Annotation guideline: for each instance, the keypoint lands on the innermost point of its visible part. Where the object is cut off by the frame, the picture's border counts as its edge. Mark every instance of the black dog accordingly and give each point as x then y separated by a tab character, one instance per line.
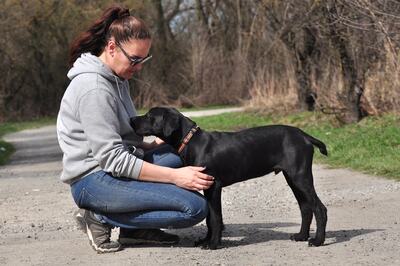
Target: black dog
237	156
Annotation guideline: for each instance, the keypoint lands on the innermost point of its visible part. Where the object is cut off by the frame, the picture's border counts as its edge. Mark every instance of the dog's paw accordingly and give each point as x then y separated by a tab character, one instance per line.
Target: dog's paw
201	242
206	244
299	237
313	242
212	246
209	245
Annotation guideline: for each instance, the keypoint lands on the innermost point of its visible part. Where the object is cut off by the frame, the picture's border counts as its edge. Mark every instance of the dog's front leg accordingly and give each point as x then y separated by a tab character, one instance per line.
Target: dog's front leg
203	242
214	218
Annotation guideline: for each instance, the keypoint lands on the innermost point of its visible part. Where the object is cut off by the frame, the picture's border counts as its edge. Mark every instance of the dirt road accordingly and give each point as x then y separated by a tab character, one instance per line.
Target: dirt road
36	225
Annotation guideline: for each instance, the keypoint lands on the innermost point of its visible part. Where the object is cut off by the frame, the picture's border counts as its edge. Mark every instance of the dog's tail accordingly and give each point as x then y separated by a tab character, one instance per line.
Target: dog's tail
321	146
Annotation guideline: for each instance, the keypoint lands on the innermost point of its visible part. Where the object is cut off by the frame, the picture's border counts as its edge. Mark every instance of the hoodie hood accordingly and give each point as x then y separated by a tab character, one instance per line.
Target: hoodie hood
88	63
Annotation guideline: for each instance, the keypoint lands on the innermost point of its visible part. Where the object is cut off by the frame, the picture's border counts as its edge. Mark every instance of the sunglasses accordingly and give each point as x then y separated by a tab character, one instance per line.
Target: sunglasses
134	59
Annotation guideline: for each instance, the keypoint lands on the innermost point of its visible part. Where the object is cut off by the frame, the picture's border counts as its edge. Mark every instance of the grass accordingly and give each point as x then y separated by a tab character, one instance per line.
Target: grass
371	146
6	149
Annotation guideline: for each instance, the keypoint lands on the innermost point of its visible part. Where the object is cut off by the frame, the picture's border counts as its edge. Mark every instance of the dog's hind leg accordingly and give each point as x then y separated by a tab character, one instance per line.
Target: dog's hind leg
321	217
305	209
303	188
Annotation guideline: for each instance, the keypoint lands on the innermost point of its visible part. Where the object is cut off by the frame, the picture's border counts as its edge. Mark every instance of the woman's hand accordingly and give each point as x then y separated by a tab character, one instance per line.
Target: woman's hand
154	144
157	142
192	178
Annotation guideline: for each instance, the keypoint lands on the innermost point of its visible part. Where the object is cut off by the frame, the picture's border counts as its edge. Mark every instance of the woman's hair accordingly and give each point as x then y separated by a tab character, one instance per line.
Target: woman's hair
116	22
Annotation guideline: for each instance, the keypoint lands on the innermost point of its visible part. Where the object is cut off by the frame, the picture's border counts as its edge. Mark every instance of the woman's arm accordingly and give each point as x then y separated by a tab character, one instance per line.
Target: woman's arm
190	177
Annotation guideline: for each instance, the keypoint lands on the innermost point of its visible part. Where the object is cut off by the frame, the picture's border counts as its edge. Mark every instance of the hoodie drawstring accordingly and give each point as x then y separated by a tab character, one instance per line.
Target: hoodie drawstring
119	90
120	96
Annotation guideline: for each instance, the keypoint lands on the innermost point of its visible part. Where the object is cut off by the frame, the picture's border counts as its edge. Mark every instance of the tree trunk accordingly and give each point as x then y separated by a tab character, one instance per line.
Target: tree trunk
202	18
353	86
162	42
303	70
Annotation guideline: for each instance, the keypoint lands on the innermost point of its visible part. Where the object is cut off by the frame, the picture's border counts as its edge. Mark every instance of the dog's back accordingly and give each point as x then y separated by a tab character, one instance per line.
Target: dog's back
250	153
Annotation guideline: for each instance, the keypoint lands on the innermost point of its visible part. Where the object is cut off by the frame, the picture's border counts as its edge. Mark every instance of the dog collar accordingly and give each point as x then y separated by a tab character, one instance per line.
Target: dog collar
187	138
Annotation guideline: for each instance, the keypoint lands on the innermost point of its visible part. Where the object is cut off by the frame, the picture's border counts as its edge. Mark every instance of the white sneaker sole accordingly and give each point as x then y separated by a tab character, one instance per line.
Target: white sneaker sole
96	247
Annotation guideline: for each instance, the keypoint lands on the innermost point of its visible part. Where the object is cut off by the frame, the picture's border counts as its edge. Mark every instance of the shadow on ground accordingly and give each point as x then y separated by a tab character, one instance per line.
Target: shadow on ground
236	235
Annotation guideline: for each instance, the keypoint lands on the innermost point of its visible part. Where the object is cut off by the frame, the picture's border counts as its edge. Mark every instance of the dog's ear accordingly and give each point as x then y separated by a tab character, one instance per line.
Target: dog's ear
171	123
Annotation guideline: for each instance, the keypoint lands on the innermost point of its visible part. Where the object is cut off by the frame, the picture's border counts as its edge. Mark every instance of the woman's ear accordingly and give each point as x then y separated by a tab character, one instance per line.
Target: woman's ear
111	47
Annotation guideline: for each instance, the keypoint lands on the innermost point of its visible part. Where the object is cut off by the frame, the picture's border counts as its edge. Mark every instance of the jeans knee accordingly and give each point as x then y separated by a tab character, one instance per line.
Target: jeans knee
198	211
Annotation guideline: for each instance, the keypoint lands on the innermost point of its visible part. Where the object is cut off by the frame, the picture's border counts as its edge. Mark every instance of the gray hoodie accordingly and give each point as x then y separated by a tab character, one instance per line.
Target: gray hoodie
93	123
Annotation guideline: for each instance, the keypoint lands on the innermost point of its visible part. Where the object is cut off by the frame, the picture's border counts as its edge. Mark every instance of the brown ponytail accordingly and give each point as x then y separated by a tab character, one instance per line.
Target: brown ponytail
116	22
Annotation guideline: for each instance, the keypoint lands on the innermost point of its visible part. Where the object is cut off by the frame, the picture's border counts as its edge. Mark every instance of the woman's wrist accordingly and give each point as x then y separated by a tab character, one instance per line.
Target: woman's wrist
172	174
154	173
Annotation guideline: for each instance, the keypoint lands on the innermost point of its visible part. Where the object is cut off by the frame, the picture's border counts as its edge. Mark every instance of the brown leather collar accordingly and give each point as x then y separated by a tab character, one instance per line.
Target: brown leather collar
187	138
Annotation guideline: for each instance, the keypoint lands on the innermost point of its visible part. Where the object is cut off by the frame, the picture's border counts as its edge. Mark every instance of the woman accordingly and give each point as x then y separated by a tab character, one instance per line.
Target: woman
109	178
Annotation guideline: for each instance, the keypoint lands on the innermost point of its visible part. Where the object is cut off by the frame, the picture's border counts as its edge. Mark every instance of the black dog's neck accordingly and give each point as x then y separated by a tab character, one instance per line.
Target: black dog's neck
179	138
176	137
187	138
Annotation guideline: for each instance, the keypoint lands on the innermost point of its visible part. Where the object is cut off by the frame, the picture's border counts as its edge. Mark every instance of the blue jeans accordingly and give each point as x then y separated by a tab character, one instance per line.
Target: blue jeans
129	203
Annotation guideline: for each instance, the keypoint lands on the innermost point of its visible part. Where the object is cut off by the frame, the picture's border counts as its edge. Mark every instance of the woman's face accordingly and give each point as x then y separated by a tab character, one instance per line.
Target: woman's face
123	53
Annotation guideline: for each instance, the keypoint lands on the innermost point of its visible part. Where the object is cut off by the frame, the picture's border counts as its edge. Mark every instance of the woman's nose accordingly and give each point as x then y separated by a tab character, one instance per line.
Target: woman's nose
138	67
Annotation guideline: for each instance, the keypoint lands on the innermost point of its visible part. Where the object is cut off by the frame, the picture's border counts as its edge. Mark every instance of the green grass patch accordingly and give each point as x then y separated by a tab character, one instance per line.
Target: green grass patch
6	149
371	146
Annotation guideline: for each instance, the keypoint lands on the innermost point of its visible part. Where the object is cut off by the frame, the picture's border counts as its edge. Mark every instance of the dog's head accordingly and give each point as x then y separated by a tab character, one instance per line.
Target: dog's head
165	123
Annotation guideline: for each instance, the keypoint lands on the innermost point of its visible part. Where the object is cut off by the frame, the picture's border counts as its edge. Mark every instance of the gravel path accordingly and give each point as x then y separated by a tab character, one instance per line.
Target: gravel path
36	226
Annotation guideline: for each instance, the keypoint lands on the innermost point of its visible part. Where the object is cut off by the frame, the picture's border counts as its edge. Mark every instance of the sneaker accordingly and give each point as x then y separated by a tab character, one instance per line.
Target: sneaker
98	233
80	222
129	237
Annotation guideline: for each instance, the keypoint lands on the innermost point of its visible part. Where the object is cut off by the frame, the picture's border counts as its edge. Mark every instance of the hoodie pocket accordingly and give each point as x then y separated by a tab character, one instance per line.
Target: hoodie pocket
88	201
